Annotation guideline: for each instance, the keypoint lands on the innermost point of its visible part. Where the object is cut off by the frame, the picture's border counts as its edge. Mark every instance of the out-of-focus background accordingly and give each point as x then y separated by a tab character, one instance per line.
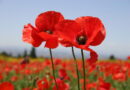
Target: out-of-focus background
115	14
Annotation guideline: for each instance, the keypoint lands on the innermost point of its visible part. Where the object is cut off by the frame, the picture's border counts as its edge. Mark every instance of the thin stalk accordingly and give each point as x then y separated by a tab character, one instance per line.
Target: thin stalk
83	69
53	69
76	65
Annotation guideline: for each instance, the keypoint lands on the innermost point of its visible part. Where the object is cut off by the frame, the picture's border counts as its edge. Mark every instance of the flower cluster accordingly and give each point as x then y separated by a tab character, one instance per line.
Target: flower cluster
52	28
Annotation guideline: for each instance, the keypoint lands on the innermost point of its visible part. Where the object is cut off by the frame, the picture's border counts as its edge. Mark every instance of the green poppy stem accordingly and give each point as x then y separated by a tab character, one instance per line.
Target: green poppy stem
83	69
53	69
76	65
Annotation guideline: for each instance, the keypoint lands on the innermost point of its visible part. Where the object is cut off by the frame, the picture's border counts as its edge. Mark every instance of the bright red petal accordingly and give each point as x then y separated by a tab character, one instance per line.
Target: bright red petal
52	43
93	56
26	36
48	20
65	43
37	40
30	35
67	32
99	37
51	40
45	35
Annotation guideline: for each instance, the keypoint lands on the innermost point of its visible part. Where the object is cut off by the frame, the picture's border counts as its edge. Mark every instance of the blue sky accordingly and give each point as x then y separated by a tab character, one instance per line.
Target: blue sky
115	14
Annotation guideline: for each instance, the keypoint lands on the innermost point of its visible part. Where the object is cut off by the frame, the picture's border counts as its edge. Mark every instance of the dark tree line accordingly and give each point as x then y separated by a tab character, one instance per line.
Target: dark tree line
31	54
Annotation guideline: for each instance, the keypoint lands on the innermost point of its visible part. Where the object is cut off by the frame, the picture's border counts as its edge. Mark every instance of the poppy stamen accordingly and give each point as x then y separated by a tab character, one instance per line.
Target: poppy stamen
49	31
82	40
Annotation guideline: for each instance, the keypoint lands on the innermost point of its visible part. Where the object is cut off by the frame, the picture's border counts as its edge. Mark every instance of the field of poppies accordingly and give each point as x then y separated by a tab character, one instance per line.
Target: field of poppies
37	75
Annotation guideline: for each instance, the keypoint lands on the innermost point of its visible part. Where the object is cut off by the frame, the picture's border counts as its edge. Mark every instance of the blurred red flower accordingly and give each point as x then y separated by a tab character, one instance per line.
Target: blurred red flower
57	62
43	84
119	76
61	85
14	78
91	86
6	86
102	85
128	57
63	74
44	30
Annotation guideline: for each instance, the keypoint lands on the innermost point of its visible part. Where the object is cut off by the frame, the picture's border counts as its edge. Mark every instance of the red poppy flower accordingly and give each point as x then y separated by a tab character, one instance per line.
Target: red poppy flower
90	86
82	33
14	78
43	84
63	74
57	62
128	57
6	86
61	85
44	31
119	76
103	85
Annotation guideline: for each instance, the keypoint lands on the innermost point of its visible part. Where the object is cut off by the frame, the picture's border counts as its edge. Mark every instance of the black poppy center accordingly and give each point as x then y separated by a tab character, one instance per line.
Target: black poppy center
82	40
49	31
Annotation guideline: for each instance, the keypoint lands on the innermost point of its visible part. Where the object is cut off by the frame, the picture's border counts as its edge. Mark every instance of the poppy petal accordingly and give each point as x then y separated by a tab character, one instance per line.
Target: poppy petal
67	31
30	36
52	43
37	40
99	37
65	43
48	20
93	56
51	40
45	35
26	36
